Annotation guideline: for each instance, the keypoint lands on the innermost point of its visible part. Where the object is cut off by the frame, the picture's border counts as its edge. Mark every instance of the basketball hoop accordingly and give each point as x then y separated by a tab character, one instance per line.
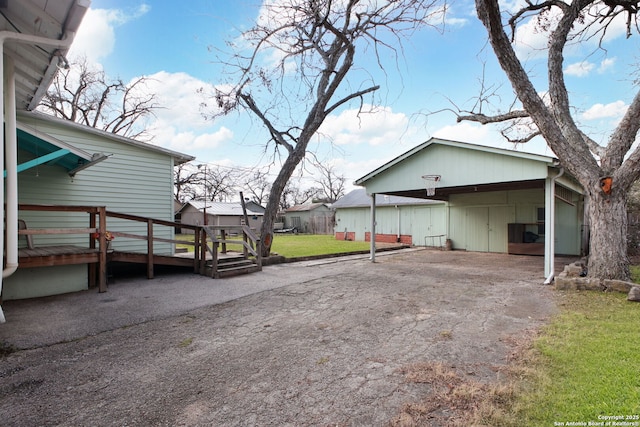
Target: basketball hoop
430	182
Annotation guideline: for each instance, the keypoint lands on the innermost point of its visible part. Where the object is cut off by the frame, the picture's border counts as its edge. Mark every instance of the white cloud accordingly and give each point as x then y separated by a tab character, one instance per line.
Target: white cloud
178	123
467	132
208	140
381	126
606	65
96	36
177	94
490	136
531	40
600	111
186	141
579	69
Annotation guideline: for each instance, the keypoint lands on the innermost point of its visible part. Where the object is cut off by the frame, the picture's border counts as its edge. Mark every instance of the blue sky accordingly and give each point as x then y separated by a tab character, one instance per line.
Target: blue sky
170	43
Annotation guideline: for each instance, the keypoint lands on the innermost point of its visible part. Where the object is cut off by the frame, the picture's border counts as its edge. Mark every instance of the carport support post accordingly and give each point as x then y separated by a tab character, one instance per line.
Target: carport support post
372	235
550	225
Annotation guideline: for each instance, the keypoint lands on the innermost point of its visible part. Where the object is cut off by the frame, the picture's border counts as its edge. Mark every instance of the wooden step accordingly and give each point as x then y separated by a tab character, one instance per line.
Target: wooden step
233	267
238	270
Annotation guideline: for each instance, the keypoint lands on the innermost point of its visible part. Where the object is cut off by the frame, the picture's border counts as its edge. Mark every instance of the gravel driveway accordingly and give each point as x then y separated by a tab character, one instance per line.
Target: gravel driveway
310	344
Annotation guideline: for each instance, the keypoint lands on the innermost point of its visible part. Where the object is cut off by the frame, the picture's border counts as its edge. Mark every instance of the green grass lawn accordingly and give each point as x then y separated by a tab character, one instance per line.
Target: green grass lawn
300	245
587	364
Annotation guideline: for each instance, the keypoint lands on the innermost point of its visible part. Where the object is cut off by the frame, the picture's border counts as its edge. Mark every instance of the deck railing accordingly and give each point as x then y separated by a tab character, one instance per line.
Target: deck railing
223	235
151	238
97	221
219	236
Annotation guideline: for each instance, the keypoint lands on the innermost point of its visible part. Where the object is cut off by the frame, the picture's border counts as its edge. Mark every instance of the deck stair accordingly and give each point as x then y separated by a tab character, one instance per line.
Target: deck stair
219	262
233	266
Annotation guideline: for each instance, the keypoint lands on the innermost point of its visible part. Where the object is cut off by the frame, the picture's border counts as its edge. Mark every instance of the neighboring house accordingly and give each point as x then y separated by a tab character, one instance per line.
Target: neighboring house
314	218
497	200
126	176
220	214
412	221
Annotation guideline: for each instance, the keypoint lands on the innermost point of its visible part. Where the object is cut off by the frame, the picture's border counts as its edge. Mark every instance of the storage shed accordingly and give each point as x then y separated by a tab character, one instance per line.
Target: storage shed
194	212
314	218
497	200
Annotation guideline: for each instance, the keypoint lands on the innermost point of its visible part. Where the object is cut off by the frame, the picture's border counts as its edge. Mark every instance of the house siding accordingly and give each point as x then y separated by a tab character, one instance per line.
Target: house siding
437	160
133	180
189	214
414	224
479	222
473	222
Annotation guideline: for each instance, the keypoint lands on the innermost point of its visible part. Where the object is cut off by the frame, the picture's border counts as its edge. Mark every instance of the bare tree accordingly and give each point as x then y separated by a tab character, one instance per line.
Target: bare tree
257	186
84	95
293	195
331	185
213	183
217	183
606	172
186	181
297	70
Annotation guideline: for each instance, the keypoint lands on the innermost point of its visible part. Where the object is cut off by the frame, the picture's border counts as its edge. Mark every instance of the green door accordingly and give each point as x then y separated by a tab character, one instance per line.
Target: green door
486	228
498	228
477	229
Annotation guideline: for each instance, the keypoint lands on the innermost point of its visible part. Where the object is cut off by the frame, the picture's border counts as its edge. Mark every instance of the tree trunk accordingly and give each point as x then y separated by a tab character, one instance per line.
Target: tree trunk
607	216
271	210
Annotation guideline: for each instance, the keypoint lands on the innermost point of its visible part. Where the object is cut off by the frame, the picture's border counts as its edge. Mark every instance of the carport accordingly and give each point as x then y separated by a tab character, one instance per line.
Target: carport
496	198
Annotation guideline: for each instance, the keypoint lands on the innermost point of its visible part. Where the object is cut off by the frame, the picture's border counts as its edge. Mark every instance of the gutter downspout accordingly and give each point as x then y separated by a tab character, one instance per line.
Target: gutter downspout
551	223
11	164
10	146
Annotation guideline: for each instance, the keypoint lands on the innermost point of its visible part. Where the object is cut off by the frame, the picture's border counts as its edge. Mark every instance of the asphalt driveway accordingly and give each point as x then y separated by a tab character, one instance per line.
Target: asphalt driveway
305	344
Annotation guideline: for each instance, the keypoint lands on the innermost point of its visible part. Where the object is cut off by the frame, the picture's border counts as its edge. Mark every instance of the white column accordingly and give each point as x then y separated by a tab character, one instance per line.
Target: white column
372	257
549	226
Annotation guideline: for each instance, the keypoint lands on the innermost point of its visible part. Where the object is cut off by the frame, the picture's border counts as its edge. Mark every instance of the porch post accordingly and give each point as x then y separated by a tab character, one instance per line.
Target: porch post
102	257
550	226
372	236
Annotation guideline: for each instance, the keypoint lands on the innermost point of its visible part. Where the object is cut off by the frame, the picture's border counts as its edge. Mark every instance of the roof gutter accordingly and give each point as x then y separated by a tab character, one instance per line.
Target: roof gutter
9	140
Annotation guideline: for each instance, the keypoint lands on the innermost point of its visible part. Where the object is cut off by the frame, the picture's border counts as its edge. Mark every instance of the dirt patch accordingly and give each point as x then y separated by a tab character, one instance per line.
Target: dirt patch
343	346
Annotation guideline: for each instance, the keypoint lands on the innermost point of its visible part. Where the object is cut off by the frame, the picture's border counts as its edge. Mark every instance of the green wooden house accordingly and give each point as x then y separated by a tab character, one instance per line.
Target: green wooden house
98	169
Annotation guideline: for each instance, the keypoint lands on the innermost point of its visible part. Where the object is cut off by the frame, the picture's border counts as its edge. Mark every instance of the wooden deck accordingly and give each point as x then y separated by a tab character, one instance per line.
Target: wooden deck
205	259
48	256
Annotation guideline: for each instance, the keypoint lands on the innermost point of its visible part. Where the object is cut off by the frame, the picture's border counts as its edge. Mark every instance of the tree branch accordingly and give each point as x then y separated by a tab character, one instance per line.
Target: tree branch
499	118
275	134
350	97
